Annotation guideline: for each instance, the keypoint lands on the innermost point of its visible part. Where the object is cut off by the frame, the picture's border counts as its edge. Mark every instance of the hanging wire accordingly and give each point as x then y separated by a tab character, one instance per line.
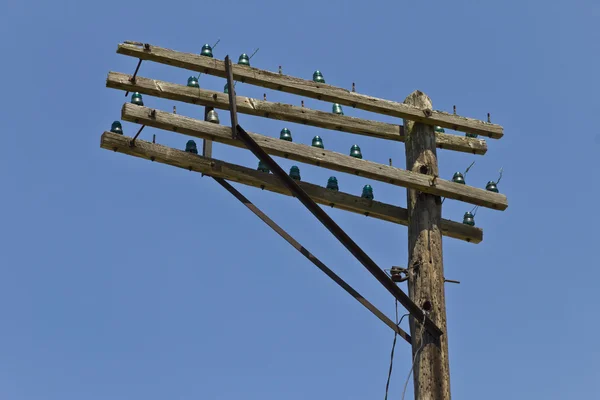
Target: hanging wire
416	354
467	170
387	385
255	51
500	177
474	210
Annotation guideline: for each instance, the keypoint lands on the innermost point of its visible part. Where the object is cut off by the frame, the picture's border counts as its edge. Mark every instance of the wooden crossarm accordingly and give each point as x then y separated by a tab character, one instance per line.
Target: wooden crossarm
325	92
251	177
285	112
313	155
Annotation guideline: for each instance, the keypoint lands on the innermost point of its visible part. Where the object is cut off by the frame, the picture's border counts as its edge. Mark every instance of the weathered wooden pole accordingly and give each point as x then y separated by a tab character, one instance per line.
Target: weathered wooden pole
426	268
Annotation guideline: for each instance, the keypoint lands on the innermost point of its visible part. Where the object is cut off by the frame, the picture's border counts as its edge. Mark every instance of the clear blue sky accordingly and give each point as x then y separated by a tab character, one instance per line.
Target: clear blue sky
124	279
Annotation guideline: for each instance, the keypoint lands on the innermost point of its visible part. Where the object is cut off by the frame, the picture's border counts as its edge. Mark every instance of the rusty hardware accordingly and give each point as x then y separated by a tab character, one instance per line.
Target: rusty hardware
399	274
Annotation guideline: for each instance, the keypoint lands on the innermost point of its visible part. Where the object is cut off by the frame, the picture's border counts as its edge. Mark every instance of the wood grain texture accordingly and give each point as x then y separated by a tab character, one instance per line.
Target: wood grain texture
308	88
285	112
312	155
247	176
425	263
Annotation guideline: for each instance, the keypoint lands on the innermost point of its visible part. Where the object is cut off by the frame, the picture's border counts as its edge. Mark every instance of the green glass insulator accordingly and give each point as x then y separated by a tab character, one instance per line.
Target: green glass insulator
337	109
318	77
469	219
191	147
332	184
193	82
295	173
136	99
263	167
492	187
355	151
285	134
458	178
318	142
116	127
206	51
367	192
244	60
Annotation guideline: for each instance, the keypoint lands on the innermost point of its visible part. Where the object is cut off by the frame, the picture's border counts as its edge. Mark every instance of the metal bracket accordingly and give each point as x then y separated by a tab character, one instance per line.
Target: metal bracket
399	274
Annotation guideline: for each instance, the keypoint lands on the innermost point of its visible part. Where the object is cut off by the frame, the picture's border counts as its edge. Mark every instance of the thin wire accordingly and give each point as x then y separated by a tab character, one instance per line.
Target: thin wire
415	357
255	51
467	170
387	385
474	210
500	177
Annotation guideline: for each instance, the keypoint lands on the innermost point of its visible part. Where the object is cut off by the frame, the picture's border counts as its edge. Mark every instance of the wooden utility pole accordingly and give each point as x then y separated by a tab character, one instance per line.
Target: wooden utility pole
425	301
426	268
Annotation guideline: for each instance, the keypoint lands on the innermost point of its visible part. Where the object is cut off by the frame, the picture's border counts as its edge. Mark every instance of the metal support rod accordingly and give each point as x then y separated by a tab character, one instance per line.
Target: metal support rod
132	79
132	143
338	232
232	103
451	281
301	249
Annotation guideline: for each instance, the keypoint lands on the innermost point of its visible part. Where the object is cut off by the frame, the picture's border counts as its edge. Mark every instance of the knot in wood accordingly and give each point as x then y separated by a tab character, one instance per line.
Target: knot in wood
427	112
